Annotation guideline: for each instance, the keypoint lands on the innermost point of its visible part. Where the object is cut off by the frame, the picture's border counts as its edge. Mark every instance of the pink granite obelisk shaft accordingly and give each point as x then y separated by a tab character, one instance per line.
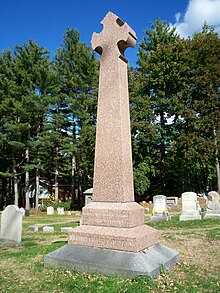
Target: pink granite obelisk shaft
113	220
113	176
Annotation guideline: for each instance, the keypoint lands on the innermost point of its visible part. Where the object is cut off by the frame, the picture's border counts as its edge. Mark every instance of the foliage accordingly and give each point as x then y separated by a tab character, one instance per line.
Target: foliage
48	114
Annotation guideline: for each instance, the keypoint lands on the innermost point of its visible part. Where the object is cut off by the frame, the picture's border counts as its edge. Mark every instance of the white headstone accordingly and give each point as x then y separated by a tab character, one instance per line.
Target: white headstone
189	207
11	224
50	210
23	211
160	212
60	211
48	229
212	205
66	229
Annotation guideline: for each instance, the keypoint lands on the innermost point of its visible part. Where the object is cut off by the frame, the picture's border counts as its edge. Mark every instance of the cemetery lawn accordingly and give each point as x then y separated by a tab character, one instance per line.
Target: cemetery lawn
198	241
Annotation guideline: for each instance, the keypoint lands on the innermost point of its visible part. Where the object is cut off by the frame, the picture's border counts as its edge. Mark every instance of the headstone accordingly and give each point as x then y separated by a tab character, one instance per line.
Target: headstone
88	195
11	224
33	228
60	211
113	235
23	211
172	202
189	207
212	205
66	229
160	212
50	210
48	229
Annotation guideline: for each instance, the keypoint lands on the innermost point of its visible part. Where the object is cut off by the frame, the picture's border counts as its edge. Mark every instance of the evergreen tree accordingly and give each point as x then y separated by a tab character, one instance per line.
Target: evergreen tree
77	76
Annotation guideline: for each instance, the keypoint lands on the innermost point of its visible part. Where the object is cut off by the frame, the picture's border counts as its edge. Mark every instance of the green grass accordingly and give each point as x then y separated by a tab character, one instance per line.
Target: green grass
22	267
175	224
214	234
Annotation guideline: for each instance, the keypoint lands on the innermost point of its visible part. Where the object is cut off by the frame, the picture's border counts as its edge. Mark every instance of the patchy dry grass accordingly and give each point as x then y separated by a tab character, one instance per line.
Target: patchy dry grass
22	268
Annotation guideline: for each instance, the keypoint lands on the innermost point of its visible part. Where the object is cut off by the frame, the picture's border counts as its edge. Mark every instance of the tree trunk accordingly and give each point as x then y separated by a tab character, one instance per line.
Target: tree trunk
37	188
162	152
27	200
15	179
217	162
56	179
73	202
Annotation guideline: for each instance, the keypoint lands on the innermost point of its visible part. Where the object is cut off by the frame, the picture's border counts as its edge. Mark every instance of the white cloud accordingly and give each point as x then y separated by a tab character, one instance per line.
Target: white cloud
197	12
177	16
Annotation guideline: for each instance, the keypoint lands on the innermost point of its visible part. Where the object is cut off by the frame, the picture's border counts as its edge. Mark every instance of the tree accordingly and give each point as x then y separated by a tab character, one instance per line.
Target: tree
77	76
24	108
156	61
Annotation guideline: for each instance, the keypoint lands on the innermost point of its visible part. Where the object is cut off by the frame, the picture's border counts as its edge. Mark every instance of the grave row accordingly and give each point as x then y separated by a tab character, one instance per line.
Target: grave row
190	207
48	229
11	220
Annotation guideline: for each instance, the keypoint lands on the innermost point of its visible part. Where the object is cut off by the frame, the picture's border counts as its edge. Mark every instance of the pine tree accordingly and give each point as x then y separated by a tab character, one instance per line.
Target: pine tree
77	74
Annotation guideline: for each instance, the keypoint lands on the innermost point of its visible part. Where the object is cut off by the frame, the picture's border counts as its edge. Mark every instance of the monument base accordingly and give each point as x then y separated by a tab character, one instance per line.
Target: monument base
212	215
127	239
190	217
113	262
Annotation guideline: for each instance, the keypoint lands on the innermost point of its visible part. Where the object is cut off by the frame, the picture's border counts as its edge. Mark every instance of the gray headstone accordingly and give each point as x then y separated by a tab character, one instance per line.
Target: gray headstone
172	202
11	224
50	210
88	195
212	205
33	228
189	207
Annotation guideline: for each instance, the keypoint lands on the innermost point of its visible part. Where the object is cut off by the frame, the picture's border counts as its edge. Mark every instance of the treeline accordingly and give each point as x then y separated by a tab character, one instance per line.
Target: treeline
48	115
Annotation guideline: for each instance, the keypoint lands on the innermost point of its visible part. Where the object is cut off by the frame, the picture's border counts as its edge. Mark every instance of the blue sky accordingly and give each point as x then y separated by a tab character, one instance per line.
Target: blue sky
45	21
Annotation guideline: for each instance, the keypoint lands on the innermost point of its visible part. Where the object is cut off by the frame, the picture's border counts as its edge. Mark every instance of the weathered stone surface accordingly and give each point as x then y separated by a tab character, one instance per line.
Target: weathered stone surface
113	262
11	224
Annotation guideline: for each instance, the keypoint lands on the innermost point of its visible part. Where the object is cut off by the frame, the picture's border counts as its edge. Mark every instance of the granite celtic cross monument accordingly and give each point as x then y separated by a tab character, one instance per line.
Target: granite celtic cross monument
113	238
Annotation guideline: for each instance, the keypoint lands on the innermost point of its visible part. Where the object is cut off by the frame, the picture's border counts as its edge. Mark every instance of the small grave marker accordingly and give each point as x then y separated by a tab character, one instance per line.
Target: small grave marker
60	211
33	228
48	229
50	210
172	202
